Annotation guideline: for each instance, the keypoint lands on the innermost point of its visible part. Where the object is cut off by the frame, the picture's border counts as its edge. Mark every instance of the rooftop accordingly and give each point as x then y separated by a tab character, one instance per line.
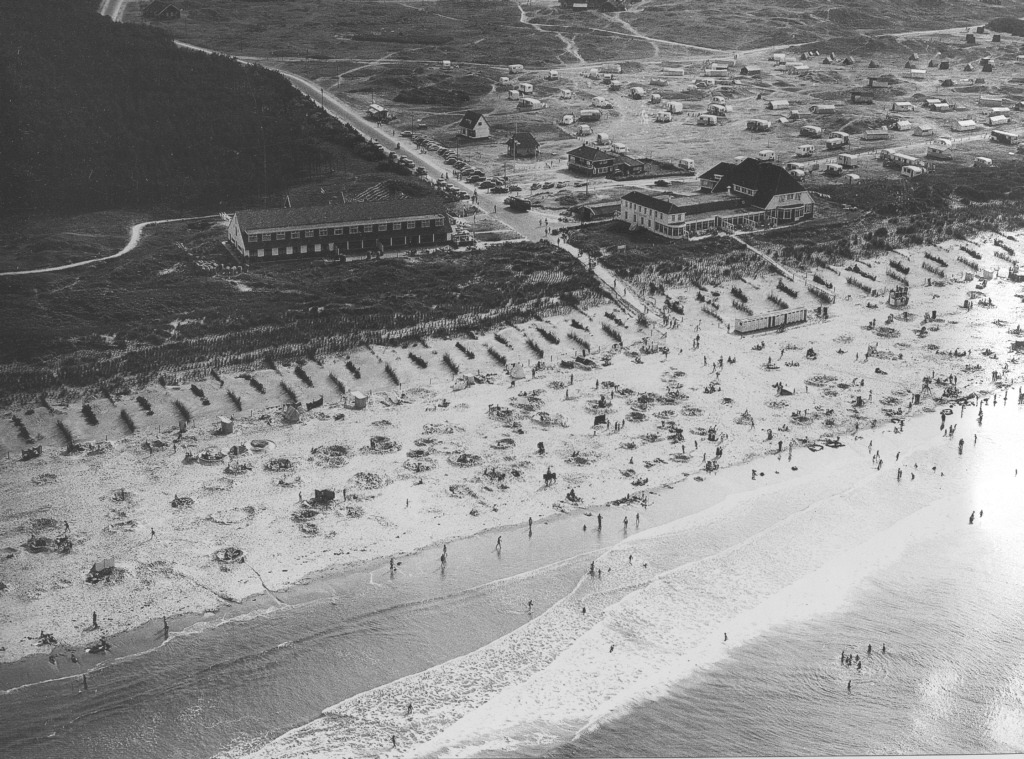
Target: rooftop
274	218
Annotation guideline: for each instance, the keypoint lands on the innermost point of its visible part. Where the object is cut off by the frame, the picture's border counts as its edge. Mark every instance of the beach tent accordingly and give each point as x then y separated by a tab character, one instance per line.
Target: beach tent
968	67
227	425
848	61
291	415
358	400
516	371
873	65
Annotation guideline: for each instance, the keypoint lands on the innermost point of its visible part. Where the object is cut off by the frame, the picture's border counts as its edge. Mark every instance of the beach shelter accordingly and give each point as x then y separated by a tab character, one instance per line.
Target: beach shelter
915	57
358	400
848	61
291	415
516	371
227	425
968	67
944	65
873	65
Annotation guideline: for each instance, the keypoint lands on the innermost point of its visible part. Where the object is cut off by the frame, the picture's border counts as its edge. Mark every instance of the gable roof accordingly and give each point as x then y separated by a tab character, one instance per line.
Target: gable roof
588	153
277	218
471	119
719	170
523	140
766	179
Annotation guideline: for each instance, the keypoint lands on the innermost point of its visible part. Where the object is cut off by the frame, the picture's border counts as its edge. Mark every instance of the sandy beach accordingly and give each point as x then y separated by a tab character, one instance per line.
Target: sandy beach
424	462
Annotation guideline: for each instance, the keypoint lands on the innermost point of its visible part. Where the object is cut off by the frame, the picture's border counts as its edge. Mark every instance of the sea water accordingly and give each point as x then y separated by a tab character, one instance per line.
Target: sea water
794	566
905	570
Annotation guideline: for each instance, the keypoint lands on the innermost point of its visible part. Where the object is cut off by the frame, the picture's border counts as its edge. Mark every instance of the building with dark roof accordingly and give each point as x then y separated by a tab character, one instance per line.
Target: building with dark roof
474	126
594	162
522	145
278	234
758	193
764	185
712	178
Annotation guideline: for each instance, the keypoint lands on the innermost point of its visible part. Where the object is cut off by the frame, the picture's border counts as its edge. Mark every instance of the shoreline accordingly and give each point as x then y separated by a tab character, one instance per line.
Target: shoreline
472	418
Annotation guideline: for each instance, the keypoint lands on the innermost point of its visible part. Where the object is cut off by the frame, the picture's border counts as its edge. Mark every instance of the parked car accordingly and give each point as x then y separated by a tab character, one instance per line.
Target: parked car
407	133
486	184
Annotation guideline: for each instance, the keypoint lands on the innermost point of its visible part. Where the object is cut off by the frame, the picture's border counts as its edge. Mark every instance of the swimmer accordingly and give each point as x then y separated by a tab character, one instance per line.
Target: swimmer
392	563
869	649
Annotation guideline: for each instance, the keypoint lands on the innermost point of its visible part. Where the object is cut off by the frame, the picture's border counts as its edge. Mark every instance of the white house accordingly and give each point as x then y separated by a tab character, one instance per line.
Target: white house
474	126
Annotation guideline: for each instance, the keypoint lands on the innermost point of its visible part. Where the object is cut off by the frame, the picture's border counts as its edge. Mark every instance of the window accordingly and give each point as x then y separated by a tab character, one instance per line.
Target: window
295	235
266	238
382	227
437	222
280	235
396	226
339	230
309	233
323	232
260	253
303	248
424	224
289	250
368	228
254	238
273	251
410	225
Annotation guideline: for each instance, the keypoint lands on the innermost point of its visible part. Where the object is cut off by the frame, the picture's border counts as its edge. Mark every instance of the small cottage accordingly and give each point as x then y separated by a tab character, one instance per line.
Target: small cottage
474	126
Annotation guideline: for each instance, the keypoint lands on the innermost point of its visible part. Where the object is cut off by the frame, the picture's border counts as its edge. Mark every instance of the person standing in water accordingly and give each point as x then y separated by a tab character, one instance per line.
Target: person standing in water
497	546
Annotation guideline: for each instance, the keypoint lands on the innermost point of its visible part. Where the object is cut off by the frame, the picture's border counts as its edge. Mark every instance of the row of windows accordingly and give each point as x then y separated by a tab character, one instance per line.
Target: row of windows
318	248
365	229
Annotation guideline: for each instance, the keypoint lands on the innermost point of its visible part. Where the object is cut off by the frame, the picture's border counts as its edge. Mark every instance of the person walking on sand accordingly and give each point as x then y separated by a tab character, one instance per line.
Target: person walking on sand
625	523
392	565
638	520
726	640
849	686
95	623
394	741
869	649
599	519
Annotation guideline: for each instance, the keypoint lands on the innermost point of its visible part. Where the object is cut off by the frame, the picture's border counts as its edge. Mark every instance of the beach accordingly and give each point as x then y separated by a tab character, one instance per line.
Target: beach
424	464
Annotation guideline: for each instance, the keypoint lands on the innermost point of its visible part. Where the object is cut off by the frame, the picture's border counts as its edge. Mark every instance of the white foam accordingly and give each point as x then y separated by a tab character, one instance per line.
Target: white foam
779	554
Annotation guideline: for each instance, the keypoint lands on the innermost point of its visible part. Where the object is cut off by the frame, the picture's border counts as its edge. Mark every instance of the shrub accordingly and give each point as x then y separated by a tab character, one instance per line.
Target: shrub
390	372
289	393
303	377
353	370
235	399
421	363
337	382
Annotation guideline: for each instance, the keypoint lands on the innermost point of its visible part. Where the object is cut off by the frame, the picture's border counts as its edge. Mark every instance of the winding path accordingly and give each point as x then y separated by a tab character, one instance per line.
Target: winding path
133	241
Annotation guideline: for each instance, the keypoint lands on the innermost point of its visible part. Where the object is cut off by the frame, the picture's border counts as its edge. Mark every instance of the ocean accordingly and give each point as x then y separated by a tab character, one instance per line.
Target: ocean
820	555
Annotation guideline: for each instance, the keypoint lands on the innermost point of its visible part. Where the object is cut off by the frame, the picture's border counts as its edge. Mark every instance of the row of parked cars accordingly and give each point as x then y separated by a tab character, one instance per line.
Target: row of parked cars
462	169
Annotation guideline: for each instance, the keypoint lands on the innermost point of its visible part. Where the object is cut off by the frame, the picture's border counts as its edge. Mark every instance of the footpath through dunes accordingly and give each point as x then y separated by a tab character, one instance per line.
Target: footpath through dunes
761	557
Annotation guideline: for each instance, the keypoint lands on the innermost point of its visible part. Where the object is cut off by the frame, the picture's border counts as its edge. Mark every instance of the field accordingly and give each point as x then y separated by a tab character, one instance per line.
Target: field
179	304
